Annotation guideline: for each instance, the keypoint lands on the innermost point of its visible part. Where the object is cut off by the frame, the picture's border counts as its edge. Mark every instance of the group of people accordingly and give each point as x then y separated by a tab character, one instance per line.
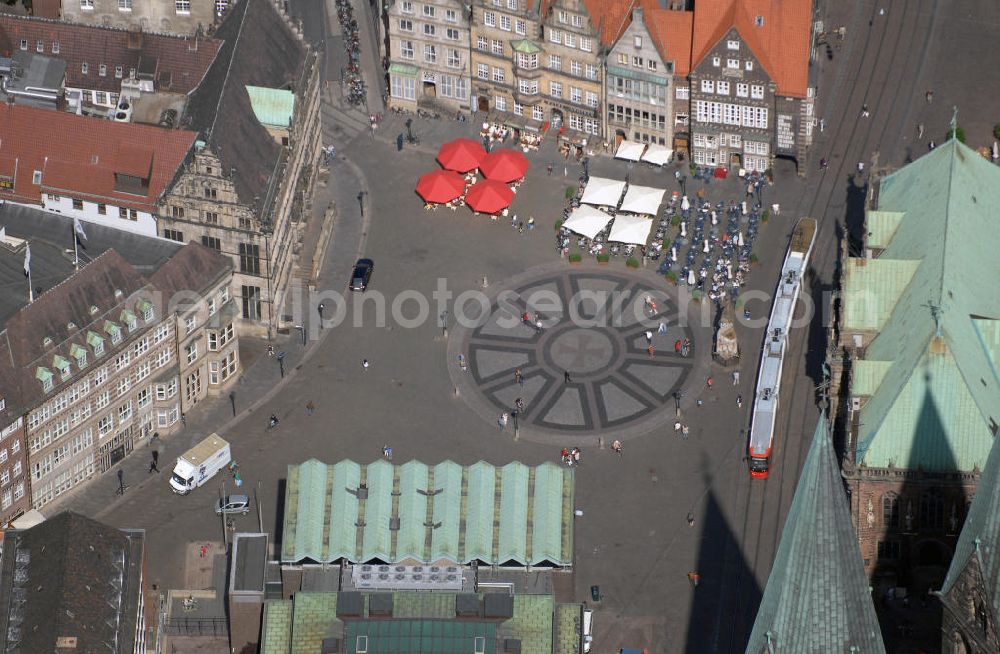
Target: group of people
571	457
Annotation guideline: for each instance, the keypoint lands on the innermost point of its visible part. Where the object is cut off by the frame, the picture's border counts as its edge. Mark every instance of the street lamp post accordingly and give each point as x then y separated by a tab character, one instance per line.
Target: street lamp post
319	309
361	202
232	401
677	403
281	363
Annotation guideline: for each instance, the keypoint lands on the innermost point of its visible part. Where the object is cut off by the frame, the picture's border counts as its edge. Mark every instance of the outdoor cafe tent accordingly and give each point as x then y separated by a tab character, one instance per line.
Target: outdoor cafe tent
630	150
642	199
440	186
587	221
489	196
657	154
630	229
462	155
604	191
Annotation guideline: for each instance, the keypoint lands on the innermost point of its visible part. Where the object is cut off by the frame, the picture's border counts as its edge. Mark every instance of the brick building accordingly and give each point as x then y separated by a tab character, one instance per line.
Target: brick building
914	372
750	94
106	358
246	187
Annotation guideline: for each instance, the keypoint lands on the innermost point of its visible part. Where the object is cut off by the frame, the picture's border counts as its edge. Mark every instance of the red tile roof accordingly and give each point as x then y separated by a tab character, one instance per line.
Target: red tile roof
781	43
611	17
671	31
185	60
79	156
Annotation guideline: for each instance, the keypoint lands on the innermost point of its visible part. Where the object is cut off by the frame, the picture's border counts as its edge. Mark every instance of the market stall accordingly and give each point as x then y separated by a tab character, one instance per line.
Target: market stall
603	191
630	229
586	221
642	199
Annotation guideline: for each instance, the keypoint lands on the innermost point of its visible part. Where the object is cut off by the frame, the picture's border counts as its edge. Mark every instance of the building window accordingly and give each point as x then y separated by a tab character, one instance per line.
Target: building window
55	47
555	89
932	510
505	22
406	7
591	72
192	352
212	242
118	72
429	30
537	113
174	235
591	99
251	302
102	209
501	103
652	65
87	5
757	92
489	19
498	74
182	6
733	63
520	27
77	204
496	45
575	94
748	65
742	90
250	258
454	58
429	11
527	61
451	34
722	87
190	323
482	43
192	386
430	53
124	5
683	92
890	510
528	87
575	68
733	45
212	217
451	15
569	40
405	25
716	61
587	45
555	62
406	49
482	71
210	193
707	86
84	68
555	36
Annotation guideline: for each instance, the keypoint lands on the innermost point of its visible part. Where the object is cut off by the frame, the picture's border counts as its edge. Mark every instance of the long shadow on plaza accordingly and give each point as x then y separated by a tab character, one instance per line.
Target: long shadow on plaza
727	595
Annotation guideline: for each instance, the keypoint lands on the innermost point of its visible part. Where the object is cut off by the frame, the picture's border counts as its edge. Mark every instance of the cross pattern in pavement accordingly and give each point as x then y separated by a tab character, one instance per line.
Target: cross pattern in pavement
586	363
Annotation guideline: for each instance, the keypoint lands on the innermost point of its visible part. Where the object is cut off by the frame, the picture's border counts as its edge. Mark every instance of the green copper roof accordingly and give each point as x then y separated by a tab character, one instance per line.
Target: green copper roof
480	513
817	598
420	636
403	69
276	633
314	617
935	403
525	46
872	290
980	537
866	375
881	226
272	107
532	623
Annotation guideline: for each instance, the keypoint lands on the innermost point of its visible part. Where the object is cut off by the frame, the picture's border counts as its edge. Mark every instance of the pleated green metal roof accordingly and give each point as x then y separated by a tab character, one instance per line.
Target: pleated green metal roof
931	300
512	515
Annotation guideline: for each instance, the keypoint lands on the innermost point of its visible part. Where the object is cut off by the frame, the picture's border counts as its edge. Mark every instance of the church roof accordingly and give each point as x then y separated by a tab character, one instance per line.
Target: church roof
817	598
981	534
931	299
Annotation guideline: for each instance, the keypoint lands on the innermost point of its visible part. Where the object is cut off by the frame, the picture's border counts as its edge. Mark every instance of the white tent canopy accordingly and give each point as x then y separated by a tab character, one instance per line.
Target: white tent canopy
604	191
630	150
587	221
630	229
643	199
657	154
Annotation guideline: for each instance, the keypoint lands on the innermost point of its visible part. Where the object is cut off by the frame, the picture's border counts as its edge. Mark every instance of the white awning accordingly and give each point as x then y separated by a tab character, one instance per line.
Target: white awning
604	191
630	229
587	221
657	154
630	150
643	199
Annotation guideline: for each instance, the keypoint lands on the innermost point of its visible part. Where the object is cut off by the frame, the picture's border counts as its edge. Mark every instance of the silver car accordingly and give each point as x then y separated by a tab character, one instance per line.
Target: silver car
233	504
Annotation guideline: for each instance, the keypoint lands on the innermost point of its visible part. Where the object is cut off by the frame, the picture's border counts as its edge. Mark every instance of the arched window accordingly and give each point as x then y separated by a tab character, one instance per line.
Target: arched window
890	510
932	509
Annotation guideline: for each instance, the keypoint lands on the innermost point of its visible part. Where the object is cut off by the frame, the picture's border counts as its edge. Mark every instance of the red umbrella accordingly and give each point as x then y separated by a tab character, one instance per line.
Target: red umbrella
489	196
440	186
462	155
504	165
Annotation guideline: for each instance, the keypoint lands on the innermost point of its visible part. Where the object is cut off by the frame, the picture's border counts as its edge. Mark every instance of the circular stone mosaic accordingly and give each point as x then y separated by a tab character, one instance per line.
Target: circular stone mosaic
580	340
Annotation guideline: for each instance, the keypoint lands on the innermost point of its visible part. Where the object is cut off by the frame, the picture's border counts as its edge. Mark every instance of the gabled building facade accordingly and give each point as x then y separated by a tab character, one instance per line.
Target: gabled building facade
750	94
168	16
244	190
429	59
817	598
914	367
108	358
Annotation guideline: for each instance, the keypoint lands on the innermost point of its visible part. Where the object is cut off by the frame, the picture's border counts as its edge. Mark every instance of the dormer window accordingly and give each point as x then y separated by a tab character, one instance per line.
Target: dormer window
62	365
84	68
96	343
44	375
119	72
79	354
131	322
733	44
145	308
759	21
102	70
114	331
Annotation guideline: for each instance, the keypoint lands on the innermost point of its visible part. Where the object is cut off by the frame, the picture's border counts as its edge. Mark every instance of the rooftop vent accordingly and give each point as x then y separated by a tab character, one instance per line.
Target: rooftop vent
71	325
93	309
118	293
66	642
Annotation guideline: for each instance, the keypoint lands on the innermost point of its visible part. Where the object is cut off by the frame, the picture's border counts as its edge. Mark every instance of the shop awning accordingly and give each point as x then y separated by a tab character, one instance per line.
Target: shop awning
657	154
630	150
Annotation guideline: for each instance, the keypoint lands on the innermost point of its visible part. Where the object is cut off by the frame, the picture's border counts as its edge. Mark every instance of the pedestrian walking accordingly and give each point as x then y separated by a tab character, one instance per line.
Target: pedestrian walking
662	329
153	463
184	421
920	130
685	431
519	378
710	382
677	426
822	124
576	456
500	421
736	378
564	456
565	171
677	346
617	447
690	519
519	404
739	401
387	453
538	325
651	350
864	111
548	169
929	96
310	408
649	336
365	364
694	578
531	223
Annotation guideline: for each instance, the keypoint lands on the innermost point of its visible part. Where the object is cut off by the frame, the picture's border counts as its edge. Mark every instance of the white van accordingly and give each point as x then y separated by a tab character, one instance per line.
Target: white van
588	629
199	464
